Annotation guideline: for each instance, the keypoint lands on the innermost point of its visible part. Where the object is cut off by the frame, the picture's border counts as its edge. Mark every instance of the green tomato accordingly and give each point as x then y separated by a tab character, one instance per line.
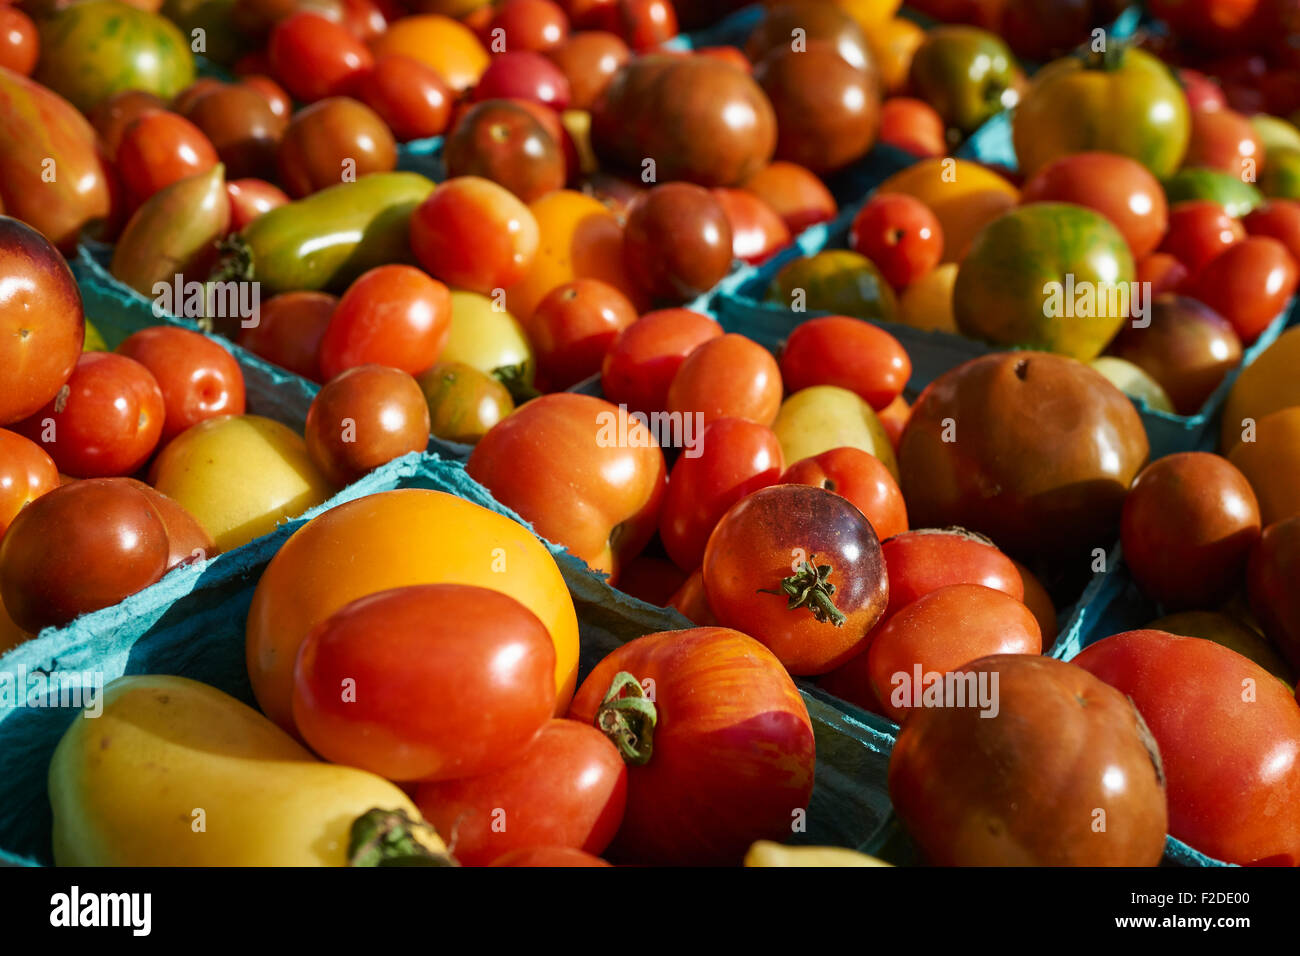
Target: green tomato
1235	196
965	73
1134	382
837	281
463	402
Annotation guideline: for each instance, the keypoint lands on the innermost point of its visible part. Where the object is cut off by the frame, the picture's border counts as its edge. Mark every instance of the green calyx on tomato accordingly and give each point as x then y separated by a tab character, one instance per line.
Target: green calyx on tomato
517	380
1236	196
391	838
810	587
628	718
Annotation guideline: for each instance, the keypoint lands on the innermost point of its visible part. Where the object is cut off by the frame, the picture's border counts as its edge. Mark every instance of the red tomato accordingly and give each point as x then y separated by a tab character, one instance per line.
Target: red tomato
644	24
893	418
1229	737
314	57
1248	284
567	789
26	473
1278	219
861	478
272	91
392	315
714	777
548	856
757	232
523	75
573	328
408	95
1163	271
398	682
850	353
733	458
365	418
589	59
106	423
1199	229
794	193
158	149
912	125
728	377
198	378
250	198
1203	93
927	559
289	330
728	54
19	41
1119	188
900	235
536	25
641	365
1223	139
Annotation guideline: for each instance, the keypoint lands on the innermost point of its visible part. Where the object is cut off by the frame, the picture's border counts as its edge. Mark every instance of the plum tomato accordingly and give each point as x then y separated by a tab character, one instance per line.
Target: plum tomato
1249	284
861	478
728	377
757	232
332	141
199	379
289	330
1199	229
794	193
640	366
847	352
523	75
363	418
408	95
250	198
502	141
733	458
573	328
800	569
569	788
417	666
537	25
589	59
464	402
314	57
26	473
392	315
927	559
160	148
106	421
900	235
677	243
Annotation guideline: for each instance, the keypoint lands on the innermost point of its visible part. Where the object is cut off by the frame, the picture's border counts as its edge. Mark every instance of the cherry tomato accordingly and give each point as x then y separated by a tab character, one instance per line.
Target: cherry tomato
242	128
408	95
927	559
1278	219
200	88
314	57
641	365
160	148
1162	271
800	569
107	422
332	141
728	377
474	234
850	353
26	473
19	41
757	232
112	116
547	856
900	235
1203	93
1249	284
250	198
536	25
677	243
733	458
197	377
573	328
1226	140
589	61
187	540
569	788
392	315
912	125
425	662
794	193
644	24
861	478
289	330
364	418
273	92
1199	229
523	75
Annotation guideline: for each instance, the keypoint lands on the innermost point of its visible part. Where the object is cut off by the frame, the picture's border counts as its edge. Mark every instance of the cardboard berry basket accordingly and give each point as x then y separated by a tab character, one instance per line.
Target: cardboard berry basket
192	624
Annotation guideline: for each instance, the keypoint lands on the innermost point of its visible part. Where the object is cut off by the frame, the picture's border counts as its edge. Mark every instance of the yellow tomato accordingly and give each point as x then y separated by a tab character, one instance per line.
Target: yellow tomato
927	303
239	476
817	419
448	46
767	853
893	44
870	14
485	337
963	196
1271	463
1133	382
1269	384
389	540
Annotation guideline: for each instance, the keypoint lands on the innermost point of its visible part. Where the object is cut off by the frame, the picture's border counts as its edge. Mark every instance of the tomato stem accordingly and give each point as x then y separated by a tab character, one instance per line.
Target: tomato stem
515	379
628	717
391	838
236	263
810	587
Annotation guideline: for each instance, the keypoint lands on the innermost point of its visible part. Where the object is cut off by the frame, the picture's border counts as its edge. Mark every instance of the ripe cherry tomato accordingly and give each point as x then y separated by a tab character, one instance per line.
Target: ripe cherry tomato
1226	140
250	198
1278	219
573	328
728	377
241	126
757	232
794	193
677	243
160	148
912	125
536	25
1203	93
569	789
187	540
1249	284
107	422
314	57
927	559
425	662
644	24
363	418
642	363
112	116
589	60
503	141
850	353
26	473
900	235
408	95
733	458
332	139
523	75
392	315
475	235
197	377
710	780
861	478
289	330
273	92
801	570
1199	229
19	41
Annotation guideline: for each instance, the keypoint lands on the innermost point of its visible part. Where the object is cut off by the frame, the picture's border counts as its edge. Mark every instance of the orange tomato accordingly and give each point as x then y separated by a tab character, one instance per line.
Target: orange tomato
870	14
892	45
449	47
1271	463
963	195
794	193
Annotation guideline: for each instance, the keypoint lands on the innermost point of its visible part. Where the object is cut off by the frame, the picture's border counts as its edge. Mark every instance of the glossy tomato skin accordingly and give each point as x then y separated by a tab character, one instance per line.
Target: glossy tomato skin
538	25
573	328
42	326
250	198
365	417
927	559
502	141
26	473
1022	787
734	457
912	125
1224	139
474	234
677	243
853	354
567	789
1248	284
1270	580
111	117
794	193
524	75
314	57
108	424
644	24
728	377
900	235
1161	272
332	139
392	315
412	653
757	232
1231	758
198	378
187	540
589	60
160	148
289	330
1199	229
733	747
1278	219
640	366
19	41
77	549
242	127
275	95
781	533
861	478
408	95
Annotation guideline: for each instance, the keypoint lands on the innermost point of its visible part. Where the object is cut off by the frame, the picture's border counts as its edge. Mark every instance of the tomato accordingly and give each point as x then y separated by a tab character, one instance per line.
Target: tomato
1268	452
727	377
272	92
464	402
537	25
42	326
502	141
1264	386
1278	219
677	242
1203	92
242	127
1234	194
757	232
823	417
1199	229
568	789
111	117
333	141
912	125
849	353
964	196
1249	284
408	95
799	568
600	498
19	42
473	234
160	148
834	280
861	478
967	74
1024	776
893	419
1229	737
198	378
363	418
730	759
574	327
250	198
289	330
1119	188
644	24
26	473
419	666
1269	576
187	540
547	856
1224	139
79	548
927	559
314	57
392	315
794	193
900	235
589	60
524	75
640	366
733	458
1161	273
180	103
447	46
